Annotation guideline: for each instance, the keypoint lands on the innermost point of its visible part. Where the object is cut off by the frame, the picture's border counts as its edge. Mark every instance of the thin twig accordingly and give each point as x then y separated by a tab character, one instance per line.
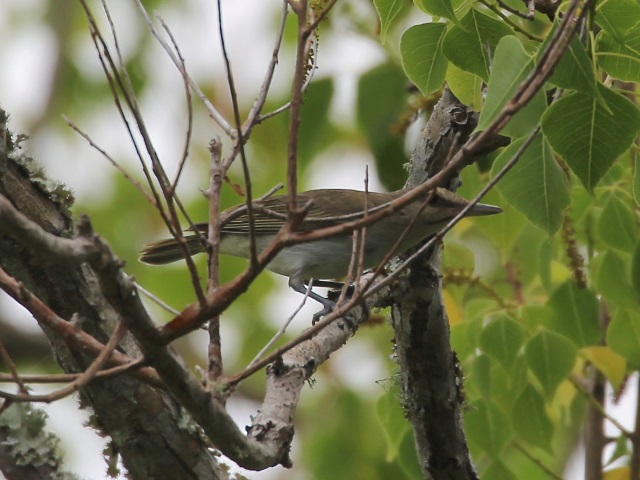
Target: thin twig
305	86
157	300
75	338
70	377
527	16
124	85
284	326
253	118
187	93
550	473
508	21
579	384
214	370
151	199
213	113
300	8
84	378
15	376
240	140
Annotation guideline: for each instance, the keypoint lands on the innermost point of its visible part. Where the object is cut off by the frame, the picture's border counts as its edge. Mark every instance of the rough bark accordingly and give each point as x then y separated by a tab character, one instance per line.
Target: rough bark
144	423
429	371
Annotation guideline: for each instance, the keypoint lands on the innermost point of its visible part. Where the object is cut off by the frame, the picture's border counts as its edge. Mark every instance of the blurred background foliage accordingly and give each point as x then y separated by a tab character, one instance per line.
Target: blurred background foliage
500	271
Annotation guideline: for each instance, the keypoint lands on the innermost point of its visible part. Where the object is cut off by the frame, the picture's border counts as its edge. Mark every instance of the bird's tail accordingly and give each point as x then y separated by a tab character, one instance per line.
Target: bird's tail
167	251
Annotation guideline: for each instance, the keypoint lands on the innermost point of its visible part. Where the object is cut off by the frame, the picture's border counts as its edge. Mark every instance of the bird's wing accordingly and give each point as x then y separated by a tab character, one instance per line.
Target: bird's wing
269	219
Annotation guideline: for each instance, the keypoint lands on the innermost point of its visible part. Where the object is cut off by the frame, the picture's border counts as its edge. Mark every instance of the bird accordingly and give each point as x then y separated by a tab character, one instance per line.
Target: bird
327	258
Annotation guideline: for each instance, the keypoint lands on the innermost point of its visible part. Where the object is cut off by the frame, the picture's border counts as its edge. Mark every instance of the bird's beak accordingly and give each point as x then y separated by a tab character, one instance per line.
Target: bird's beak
481	209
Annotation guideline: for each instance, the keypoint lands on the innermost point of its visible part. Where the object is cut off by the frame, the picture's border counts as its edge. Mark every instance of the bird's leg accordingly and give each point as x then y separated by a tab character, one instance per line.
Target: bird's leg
298	286
327	284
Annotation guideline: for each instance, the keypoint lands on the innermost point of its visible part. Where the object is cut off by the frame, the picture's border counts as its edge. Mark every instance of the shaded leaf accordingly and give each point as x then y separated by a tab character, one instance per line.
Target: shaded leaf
511	66
530	420
623	335
611	281
381	100
551	358
576	314
575	70
482	374
438	8
408	458
501	339
611	364
589	137
536	185
498	471
466	86
471	44
635	269
422	57
616	17
387	11
393	422
488	427
636	180
620	58
621	449
617	225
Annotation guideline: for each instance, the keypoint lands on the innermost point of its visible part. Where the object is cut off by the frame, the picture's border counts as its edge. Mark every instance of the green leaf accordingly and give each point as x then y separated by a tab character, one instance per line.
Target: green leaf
498	471
620	58
551	358
576	314
438	8
635	269
381	100
466	86
617	225
574	70
536	185
460	341
471	44
610	363
511	66
616	17
315	131
534	316
623	335
530	419
621	450
544	263
458	255
611	282
387	11
636	180
488	427
482	374
502	339
393	422
408	458
422	57
589	137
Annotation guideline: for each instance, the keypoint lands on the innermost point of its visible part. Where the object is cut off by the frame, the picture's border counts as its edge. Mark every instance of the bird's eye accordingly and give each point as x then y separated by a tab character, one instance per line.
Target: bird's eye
434	200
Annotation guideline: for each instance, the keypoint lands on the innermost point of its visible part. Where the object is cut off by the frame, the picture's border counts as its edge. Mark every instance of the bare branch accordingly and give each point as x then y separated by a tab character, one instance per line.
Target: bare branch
213	113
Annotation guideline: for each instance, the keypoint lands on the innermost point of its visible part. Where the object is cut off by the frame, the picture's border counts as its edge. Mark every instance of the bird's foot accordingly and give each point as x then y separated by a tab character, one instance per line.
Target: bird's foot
328	308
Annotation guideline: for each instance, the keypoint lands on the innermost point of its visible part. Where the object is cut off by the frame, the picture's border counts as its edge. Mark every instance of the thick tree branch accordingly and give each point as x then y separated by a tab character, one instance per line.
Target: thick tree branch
143	421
